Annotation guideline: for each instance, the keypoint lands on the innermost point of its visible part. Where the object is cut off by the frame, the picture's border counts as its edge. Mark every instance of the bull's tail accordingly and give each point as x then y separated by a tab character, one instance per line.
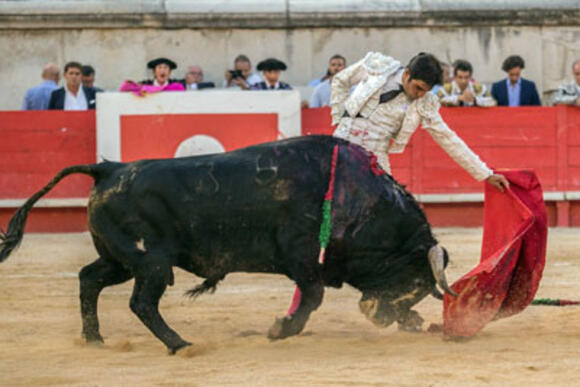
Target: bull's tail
10	240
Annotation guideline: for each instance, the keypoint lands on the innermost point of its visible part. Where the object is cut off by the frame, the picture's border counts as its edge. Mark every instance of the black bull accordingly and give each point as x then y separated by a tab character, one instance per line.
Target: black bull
256	209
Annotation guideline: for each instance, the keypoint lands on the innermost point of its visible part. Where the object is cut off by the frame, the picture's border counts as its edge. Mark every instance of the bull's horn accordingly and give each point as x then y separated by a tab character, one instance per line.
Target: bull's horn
437	263
436	293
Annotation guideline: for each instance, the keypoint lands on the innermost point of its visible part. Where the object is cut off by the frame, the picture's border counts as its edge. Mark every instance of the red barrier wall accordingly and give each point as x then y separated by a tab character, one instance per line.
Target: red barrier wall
36	145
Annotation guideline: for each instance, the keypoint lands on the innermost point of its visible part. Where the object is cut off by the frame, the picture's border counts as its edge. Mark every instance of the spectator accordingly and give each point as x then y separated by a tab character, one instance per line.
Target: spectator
329	72
569	93
194	79
515	90
447	72
241	77
447	77
72	96
271	69
88	77
463	90
37	98
321	95
162	68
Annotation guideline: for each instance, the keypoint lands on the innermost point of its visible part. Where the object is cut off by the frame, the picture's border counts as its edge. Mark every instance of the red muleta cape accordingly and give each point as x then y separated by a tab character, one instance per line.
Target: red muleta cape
513	255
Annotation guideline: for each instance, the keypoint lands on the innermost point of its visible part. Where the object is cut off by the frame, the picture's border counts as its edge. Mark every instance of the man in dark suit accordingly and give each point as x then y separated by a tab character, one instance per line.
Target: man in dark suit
515	90
88	77
72	96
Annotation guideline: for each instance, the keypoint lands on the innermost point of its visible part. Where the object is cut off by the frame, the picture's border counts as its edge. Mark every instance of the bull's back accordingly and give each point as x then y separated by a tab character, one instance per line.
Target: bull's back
233	205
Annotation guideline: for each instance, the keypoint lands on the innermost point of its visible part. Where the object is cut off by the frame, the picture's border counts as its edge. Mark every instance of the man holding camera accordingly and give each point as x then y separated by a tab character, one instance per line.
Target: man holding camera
241	77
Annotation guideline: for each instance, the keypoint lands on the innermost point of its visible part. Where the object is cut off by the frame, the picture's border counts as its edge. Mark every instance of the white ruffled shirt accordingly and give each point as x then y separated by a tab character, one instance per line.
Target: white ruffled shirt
386	128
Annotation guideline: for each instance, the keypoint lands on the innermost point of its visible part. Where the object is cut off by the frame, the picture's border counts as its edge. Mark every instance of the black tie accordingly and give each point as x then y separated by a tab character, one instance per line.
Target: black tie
389	95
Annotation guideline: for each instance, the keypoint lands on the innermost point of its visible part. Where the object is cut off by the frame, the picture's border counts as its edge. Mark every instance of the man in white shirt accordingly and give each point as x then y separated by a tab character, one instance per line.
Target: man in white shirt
569	93
73	96
388	105
241	77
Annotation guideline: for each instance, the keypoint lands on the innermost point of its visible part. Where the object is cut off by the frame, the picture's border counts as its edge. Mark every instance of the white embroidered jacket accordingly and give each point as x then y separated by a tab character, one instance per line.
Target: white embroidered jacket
395	120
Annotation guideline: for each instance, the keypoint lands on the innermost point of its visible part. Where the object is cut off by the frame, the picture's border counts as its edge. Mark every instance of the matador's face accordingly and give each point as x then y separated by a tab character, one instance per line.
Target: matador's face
414	88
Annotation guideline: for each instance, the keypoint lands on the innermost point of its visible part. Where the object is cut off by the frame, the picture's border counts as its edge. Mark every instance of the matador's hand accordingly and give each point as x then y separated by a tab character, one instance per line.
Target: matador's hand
498	181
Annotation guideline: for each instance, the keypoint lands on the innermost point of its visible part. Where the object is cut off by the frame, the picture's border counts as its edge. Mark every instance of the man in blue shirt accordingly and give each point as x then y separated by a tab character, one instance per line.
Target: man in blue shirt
37	98
515	90
321	94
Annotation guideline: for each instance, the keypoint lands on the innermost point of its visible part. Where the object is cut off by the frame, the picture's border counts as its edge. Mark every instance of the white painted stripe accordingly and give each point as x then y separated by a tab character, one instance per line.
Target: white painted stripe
450	198
46	203
554	196
557	196
423	198
572	195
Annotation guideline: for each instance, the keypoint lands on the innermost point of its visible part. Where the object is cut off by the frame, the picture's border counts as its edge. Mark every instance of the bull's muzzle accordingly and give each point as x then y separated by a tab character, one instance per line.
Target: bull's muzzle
437	261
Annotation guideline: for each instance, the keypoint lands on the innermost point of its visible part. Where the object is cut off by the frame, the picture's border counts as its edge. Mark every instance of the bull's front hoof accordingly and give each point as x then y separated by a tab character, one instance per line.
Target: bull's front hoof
281	329
276	331
93	339
411	328
173	350
412	323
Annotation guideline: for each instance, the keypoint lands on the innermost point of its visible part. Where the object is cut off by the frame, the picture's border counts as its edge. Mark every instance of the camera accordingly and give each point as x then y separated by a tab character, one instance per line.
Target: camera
236	74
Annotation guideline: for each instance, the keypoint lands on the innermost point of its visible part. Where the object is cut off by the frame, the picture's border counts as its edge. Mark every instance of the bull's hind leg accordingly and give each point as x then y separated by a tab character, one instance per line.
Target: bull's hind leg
150	284
93	278
310	295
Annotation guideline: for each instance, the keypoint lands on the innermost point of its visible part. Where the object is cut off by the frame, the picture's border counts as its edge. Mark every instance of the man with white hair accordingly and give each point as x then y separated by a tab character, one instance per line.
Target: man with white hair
37	98
569	93
194	79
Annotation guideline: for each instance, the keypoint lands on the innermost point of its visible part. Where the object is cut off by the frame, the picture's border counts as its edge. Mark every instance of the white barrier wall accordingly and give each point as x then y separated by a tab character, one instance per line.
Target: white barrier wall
114	105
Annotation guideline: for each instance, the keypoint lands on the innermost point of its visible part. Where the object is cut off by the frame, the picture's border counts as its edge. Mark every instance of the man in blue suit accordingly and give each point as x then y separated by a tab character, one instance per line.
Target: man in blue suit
515	90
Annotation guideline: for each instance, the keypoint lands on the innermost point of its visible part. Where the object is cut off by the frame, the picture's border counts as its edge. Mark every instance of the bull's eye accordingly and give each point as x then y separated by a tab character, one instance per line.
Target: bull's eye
418	282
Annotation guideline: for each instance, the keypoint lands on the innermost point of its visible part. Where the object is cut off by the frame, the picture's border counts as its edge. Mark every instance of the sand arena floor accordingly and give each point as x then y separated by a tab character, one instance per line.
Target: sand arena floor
40	330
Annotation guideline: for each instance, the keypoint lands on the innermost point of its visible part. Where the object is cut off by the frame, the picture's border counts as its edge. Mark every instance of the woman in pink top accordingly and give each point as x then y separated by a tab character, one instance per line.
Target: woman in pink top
161	71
